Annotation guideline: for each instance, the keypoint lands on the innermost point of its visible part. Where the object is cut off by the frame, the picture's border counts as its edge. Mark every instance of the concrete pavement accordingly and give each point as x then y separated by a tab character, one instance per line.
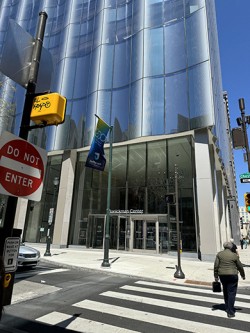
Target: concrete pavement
142	265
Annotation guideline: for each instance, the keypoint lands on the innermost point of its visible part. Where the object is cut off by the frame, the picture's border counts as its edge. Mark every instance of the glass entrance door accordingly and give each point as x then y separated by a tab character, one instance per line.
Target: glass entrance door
150	235
144	234
96	232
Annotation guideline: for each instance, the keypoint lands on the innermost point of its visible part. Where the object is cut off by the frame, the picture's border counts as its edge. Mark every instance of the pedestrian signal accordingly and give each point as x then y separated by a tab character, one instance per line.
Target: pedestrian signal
247	202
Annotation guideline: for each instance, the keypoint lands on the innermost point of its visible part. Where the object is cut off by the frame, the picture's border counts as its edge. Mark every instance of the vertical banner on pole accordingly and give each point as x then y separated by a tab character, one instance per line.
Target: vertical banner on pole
96	157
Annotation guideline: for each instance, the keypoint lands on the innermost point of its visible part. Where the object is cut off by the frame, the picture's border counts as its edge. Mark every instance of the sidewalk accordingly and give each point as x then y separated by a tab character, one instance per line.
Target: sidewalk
148	266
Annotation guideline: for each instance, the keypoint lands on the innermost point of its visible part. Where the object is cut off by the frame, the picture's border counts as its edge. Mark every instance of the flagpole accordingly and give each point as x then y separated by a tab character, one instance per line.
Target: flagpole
105	262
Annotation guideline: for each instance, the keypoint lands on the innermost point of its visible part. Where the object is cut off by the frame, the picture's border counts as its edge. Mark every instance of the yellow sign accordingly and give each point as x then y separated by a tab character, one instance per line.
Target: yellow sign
6	281
48	109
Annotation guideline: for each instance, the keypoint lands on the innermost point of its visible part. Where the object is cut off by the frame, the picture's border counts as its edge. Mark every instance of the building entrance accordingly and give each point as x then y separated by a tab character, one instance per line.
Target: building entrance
132	232
145	235
117	231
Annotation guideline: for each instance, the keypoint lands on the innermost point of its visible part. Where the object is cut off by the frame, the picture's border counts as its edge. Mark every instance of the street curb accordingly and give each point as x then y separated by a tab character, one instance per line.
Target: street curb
107	270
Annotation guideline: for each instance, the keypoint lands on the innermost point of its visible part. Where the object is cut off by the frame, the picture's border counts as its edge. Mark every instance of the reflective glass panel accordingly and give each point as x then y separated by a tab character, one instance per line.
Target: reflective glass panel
177	115
137	57
120	107
138	15
153	13
200	96
106	65
173	10
175	50
82	76
153	106
122	64
153	51
135	115
137	165
197	39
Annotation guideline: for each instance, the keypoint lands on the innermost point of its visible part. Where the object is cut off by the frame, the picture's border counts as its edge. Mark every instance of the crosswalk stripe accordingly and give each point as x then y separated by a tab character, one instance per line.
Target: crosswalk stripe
56	270
179	287
152	318
173	305
179	295
80	324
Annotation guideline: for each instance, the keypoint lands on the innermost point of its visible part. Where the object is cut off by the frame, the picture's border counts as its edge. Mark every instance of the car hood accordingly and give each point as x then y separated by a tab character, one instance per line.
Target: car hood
27	250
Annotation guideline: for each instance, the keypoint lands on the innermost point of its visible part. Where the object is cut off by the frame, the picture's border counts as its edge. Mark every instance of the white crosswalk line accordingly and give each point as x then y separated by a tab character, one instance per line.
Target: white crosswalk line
179	295
179	287
56	270
80	324
173	305
152	318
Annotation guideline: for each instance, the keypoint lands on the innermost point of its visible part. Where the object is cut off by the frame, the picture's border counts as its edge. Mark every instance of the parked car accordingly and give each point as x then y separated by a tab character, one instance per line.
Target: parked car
28	256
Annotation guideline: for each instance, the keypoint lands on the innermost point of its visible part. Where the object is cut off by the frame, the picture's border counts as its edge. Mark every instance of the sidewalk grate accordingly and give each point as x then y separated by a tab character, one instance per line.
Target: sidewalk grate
202	283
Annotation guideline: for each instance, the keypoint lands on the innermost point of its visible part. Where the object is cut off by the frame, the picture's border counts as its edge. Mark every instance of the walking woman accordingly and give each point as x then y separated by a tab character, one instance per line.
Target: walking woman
226	267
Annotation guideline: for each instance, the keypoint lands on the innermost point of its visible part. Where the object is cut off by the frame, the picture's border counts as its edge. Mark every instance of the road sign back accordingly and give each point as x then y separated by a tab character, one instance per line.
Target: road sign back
22	167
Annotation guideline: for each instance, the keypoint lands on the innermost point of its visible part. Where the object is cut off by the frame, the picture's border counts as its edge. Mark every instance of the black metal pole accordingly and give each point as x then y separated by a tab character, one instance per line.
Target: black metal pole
105	262
244	130
48	238
178	274
7	229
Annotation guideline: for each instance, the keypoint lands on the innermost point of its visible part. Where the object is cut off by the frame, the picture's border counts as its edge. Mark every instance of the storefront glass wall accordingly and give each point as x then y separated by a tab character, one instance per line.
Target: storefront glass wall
142	174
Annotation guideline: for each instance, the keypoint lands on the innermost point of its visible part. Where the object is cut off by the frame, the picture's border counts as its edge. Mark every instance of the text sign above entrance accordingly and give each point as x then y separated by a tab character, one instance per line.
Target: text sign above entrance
22	167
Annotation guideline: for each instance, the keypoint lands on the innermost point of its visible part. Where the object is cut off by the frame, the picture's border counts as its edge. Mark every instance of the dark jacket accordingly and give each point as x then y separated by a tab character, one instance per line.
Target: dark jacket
228	263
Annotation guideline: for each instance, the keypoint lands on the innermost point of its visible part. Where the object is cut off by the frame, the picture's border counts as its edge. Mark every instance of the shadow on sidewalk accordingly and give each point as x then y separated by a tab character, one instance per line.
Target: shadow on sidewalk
13	324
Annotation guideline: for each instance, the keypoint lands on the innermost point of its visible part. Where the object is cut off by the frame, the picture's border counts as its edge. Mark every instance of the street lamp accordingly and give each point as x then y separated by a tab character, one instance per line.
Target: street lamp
51	217
178	274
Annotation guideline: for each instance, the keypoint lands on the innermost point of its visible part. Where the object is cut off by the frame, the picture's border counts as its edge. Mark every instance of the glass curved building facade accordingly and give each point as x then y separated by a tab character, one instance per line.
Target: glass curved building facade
149	68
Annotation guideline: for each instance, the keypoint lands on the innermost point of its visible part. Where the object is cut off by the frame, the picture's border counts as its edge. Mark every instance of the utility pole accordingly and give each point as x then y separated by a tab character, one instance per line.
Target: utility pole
7	230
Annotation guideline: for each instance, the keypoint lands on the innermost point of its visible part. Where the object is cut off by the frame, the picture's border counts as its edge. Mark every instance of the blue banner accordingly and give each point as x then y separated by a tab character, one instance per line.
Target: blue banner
96	158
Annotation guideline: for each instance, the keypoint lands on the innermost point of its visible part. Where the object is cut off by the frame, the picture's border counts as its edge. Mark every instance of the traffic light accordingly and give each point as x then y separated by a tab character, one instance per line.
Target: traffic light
241	223
247	202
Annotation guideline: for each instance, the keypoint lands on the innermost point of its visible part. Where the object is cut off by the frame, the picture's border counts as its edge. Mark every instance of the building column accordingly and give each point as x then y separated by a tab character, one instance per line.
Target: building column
64	202
207	206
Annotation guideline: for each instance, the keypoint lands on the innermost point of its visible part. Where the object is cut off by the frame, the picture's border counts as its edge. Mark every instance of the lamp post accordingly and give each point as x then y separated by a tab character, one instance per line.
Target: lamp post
178	274
51	217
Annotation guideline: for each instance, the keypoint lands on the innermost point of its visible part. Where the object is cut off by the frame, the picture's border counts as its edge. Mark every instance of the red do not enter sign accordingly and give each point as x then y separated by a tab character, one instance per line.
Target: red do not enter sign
22	167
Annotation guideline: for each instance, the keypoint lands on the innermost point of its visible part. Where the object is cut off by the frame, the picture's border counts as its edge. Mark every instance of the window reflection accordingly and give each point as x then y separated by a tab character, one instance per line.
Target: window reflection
200	96
137	57
197	40
153	106
135	115
175	50
153	13
173	10
177	114
119	119
137	165
122	64
153	51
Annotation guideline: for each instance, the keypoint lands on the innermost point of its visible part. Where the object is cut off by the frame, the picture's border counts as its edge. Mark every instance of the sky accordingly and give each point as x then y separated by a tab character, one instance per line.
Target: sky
233	24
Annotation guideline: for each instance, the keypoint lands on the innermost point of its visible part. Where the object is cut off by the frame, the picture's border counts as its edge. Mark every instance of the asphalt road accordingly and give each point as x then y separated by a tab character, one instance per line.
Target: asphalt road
53	299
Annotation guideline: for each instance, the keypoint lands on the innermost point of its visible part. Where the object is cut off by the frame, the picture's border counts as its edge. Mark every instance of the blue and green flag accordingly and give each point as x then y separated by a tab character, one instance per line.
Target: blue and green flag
96	157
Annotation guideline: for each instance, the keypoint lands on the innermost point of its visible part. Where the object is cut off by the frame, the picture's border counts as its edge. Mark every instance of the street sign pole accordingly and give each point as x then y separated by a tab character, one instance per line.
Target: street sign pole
7	230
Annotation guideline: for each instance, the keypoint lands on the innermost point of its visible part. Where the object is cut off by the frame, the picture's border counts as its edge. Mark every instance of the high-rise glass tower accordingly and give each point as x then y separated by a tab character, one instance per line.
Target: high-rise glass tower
149	68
